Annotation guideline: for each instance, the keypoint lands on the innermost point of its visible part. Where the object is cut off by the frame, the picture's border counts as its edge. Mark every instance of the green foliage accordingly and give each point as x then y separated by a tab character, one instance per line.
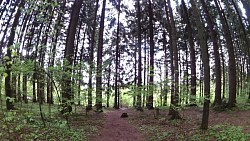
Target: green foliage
155	132
27	125
222	133
229	133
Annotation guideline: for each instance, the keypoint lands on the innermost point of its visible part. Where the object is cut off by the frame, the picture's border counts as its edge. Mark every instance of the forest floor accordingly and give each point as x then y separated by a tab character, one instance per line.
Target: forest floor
26	124
230	125
116	128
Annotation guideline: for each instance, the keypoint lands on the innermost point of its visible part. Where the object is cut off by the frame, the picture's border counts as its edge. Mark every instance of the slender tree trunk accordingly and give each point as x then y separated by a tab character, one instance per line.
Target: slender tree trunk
231	55
145	71
205	60
169	29
187	76
248	74
19	95
8	91
151	65
54	40
139	83
117	57
165	96
135	92
34	98
80	71
25	98
69	53
214	39
108	86
99	61
91	58
192	55
174	61
14	86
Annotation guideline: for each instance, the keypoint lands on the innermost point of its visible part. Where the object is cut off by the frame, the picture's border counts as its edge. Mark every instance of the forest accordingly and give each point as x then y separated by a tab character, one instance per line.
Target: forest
136	70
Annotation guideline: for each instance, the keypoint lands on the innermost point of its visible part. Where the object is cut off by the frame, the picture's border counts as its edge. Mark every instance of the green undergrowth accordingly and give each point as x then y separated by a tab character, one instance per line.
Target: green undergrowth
222	133
155	132
25	124
215	133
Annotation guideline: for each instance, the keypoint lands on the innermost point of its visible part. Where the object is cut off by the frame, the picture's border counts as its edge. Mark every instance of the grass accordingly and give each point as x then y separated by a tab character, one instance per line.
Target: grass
25	124
222	133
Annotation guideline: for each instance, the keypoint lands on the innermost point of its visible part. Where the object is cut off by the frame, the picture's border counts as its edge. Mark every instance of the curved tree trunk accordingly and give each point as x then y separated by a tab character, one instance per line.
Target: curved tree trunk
205	60
69	53
231	55
214	39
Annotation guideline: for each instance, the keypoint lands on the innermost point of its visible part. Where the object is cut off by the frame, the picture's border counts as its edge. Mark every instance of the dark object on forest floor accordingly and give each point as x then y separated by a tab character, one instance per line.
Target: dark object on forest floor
139	109
88	108
103	106
124	115
66	109
156	113
192	105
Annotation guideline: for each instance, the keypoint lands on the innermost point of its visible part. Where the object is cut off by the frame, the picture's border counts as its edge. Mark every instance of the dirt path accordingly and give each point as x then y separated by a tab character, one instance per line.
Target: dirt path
117	129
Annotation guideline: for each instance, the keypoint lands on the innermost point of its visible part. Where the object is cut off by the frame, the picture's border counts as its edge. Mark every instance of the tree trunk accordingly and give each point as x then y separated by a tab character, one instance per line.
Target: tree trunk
69	53
174	65
169	29
151	65
214	39
19	95
231	55
99	61
108	86
135	92
117	57
192	55
139	83
54	40
205	60
165	95
91	58
145	71
25	98
8	91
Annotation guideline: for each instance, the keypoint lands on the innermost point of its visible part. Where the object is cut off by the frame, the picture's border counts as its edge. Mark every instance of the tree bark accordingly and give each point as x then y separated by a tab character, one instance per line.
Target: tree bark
8	91
151	62
91	57
218	100
231	55
99	61
139	82
192	55
116	106
69	54
205	60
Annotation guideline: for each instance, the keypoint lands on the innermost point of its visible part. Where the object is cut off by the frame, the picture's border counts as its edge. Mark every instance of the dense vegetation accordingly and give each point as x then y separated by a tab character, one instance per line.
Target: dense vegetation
57	55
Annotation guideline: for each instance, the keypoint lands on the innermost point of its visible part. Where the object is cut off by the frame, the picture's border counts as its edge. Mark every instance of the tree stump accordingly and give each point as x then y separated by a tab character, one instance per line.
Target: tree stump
124	115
